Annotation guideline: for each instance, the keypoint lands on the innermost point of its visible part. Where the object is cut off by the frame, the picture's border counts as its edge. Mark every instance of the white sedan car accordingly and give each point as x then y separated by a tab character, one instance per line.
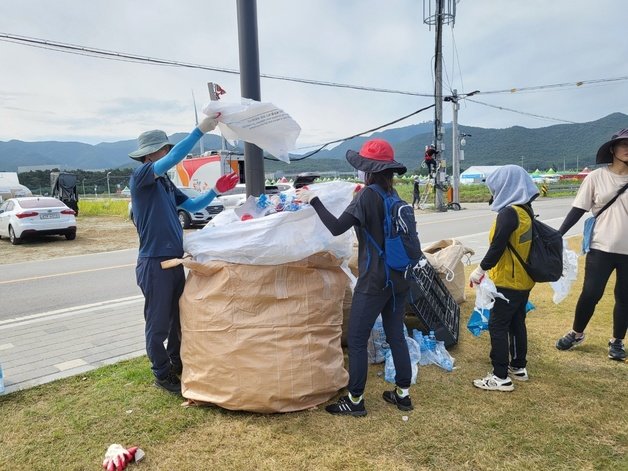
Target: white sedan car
33	216
237	196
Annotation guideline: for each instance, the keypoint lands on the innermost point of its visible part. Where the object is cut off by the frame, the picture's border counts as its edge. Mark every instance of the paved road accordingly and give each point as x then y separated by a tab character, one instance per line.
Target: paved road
65	316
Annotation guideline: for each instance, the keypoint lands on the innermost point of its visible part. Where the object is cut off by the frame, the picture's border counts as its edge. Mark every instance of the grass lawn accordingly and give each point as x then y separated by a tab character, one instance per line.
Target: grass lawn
571	415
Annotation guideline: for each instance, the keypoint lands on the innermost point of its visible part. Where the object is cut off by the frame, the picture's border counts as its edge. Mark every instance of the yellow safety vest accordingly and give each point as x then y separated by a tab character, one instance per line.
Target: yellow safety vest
509	273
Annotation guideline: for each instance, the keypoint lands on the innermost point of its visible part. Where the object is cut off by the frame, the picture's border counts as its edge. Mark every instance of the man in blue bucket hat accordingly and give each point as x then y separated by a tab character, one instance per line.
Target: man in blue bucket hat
155	202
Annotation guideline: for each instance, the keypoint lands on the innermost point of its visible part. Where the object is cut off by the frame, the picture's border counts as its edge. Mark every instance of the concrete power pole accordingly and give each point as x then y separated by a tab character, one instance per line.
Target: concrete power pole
437	13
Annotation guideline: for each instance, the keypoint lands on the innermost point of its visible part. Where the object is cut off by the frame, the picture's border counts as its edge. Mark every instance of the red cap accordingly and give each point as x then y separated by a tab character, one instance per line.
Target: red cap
378	149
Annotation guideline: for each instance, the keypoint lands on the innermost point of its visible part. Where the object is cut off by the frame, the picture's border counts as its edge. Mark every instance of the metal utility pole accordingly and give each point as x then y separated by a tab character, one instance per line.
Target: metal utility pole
455	148
455	145
438	13
250	86
108	189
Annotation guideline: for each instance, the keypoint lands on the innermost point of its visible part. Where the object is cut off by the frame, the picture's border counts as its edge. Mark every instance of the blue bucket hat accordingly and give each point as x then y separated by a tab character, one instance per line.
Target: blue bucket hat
149	142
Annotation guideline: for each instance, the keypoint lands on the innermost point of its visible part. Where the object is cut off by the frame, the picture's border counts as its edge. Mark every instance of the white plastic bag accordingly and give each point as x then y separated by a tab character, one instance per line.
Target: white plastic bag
485	294
262	124
376	346
415	356
570	273
277	238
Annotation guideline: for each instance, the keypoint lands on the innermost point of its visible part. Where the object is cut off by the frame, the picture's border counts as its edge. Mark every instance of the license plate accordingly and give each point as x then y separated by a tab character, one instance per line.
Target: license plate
49	216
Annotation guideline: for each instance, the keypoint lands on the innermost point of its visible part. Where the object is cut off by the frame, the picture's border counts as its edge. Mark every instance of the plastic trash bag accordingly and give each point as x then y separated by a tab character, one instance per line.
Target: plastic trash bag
278	238
376	347
262	124
415	355
485	294
570	273
436	354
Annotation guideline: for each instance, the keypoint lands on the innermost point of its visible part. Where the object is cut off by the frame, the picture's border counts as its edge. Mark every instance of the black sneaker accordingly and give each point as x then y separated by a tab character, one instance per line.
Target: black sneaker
569	340
176	368
344	406
170	383
402	403
616	350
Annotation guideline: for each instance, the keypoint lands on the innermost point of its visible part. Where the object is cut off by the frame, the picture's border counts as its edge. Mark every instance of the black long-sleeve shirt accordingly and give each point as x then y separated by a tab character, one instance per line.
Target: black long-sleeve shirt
506	223
335	225
573	216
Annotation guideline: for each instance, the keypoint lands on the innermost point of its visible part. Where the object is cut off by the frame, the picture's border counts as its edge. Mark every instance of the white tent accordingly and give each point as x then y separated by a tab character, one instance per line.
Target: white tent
10	186
477	174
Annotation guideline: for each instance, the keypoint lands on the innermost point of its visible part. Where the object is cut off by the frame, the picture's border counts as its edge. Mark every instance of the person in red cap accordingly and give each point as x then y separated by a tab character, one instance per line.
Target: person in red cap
603	192
373	293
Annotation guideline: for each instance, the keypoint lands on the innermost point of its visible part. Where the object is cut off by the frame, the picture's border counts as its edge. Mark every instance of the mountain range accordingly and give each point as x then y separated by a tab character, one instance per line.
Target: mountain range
561	146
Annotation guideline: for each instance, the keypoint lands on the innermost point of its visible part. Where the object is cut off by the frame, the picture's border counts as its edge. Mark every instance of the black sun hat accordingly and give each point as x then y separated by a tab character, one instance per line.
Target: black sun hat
376	155
604	155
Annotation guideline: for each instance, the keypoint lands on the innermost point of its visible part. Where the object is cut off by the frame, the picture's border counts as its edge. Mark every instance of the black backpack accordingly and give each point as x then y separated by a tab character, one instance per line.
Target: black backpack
545	261
402	249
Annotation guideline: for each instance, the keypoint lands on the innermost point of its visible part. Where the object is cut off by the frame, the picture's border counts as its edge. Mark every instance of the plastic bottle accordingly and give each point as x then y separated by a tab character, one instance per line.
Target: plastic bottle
432	341
1	381
418	336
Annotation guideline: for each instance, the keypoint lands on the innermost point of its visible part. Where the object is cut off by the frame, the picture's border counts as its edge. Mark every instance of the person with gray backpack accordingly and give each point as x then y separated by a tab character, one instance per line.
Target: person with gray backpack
603	192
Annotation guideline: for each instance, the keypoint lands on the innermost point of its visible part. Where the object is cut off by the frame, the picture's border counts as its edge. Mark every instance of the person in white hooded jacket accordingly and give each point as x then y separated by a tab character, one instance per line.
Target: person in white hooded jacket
512	191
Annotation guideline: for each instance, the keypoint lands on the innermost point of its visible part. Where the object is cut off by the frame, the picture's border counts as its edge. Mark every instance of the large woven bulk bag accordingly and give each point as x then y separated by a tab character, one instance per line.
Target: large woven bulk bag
263	338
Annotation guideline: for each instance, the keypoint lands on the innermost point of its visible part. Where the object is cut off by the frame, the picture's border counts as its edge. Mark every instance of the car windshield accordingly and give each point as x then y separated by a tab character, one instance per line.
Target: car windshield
41	203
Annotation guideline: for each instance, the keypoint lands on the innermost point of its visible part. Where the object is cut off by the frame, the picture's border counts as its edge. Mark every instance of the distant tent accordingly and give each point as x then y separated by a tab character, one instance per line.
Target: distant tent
536	172
477	174
126	191
551	170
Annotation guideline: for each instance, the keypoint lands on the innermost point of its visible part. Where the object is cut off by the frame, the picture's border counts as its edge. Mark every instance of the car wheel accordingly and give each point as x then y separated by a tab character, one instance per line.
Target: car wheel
70	235
14	240
185	220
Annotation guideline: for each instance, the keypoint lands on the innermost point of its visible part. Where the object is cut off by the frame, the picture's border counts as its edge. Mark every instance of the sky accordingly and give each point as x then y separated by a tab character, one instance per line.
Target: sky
493	45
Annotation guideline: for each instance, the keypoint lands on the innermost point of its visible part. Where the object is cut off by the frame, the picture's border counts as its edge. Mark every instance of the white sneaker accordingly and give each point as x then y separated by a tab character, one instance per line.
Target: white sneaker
493	383
520	374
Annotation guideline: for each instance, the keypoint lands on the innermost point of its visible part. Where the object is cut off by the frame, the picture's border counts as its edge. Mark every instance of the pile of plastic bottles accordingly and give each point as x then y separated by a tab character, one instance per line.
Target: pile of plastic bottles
277	203
433	351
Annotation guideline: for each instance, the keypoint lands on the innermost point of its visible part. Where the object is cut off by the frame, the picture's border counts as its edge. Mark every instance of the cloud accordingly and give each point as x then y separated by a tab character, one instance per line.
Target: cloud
493	45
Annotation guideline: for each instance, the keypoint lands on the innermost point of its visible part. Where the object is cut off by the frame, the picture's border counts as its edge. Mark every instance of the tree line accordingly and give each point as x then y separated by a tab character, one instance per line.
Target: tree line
88	182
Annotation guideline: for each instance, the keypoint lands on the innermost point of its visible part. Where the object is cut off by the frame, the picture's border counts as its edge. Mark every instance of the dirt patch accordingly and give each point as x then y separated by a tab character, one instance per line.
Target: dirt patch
94	234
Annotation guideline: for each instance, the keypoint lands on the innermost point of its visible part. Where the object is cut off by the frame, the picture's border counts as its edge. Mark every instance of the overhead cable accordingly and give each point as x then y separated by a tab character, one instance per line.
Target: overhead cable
125	57
520	112
359	134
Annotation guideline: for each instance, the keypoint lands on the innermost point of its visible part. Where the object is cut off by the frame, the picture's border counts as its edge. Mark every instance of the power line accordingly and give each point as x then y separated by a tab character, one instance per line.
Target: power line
126	57
133	58
521	112
558	85
359	134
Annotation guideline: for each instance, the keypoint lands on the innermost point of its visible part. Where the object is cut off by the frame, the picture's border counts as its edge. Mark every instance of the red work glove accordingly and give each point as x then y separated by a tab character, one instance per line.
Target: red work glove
117	457
226	183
